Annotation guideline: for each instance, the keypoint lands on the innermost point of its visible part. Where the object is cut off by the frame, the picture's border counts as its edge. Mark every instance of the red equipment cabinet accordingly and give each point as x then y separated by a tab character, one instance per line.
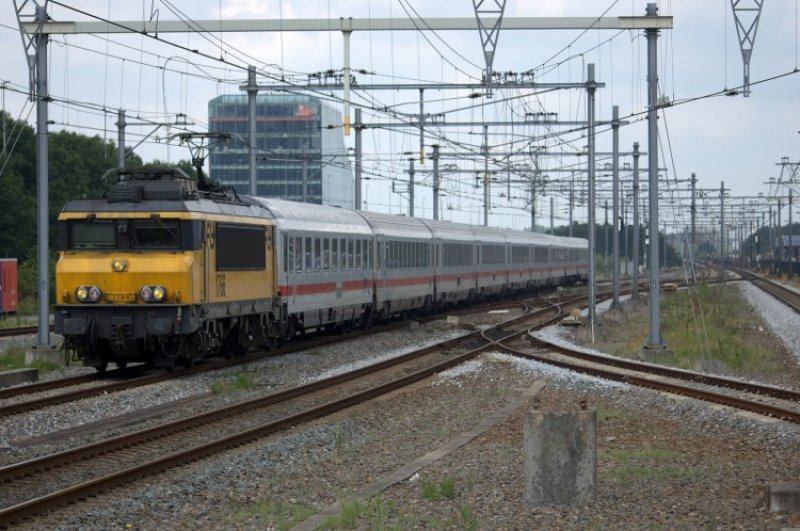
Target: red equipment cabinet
8	285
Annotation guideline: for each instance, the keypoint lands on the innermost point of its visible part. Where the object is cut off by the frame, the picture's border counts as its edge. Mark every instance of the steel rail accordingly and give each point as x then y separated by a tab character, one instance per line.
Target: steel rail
19	511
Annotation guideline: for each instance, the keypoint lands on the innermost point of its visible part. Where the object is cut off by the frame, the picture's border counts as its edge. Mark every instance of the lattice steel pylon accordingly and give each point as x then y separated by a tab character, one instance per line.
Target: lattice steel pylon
484	14
746	14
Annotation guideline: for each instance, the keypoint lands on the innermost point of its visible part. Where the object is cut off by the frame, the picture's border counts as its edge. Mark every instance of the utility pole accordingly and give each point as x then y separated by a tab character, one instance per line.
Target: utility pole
252	93
590	89
746	14
35	44
571	201
722	231
421	126
771	243
5	141
615	213
654	340
779	237
411	187
694	212
605	230
551	215
791	243
436	181
304	165
121	140
359	150
486	176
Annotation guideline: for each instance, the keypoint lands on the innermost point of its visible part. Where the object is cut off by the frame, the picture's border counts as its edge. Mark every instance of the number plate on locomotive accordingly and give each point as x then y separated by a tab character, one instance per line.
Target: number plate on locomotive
121	297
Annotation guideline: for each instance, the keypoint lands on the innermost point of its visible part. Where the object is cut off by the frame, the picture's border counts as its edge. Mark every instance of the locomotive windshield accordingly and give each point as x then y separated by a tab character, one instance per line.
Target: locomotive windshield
155	234
92	234
144	234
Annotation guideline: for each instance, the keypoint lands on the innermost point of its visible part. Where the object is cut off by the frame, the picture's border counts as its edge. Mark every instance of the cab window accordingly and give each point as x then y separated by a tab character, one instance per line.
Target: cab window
92	234
155	234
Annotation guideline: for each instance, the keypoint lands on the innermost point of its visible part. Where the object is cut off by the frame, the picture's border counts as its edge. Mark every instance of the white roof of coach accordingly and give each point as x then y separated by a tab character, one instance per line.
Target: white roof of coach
445	230
291	215
573	243
396	226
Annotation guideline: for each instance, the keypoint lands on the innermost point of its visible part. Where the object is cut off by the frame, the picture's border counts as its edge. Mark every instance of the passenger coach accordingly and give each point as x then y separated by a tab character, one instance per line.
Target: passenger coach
164	272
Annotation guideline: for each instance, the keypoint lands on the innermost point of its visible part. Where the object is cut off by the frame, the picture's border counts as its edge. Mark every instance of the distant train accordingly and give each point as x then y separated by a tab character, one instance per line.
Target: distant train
163	272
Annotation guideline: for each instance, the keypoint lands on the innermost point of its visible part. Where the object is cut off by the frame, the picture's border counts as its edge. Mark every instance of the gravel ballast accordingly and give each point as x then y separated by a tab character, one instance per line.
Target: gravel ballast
663	461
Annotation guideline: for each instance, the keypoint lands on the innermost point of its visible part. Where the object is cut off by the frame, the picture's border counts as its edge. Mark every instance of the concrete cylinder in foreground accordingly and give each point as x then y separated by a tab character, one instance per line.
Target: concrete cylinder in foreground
560	457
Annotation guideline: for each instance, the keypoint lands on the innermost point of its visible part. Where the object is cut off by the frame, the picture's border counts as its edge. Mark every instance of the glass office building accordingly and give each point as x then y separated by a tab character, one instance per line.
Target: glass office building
300	148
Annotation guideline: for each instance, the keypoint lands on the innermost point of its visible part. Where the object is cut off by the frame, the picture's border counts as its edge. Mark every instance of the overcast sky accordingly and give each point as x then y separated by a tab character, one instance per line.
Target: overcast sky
731	138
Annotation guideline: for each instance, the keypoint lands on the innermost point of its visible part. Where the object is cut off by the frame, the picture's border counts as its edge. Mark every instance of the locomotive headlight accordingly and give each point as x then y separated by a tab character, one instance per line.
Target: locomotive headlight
95	294
82	294
119	265
159	293
153	293
88	294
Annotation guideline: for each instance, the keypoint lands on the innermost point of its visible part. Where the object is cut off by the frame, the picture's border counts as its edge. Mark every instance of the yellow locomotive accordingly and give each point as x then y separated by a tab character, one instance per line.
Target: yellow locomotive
162	272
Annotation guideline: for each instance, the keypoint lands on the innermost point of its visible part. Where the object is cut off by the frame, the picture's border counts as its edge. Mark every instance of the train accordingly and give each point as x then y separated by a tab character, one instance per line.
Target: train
166	271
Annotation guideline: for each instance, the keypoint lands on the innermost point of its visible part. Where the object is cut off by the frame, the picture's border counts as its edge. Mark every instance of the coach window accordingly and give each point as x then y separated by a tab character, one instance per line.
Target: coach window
335	254
307	253
298	254
317	254
350	250
286	253
326	254
359	257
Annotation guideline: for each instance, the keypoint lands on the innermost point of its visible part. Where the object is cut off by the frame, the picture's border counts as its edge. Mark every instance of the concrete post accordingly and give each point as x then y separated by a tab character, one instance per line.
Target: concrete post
560	457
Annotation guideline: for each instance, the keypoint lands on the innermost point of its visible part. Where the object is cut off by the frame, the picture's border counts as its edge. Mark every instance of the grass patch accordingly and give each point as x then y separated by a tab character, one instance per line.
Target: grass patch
14	321
275	515
638	473
628	455
14	358
445	489
630	465
604	414
347	517
729	325
240	382
706	324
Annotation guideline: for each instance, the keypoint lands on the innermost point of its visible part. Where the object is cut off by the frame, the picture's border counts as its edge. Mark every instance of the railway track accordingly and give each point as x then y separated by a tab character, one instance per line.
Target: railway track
127	458
788	296
20	331
85	471
96	384
630	371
